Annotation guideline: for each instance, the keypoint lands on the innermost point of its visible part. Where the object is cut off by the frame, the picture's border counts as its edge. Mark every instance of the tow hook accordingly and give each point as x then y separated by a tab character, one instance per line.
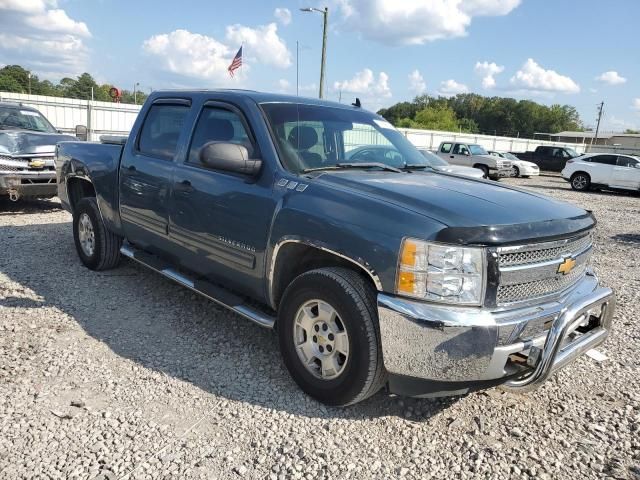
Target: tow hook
14	195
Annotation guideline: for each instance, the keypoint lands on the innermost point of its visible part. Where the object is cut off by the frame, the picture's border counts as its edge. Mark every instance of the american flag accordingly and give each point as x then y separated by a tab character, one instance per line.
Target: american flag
236	63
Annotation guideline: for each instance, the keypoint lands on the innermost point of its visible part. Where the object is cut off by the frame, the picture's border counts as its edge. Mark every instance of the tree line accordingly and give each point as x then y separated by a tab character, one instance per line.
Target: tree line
15	79
473	113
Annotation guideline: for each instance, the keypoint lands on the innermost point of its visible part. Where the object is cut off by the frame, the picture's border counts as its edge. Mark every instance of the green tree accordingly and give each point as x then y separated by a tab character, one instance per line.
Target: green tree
436	117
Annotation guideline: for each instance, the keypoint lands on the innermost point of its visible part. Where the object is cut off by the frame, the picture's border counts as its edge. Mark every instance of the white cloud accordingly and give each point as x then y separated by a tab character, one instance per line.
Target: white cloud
200	56
417	84
449	88
38	35
283	15
365	83
636	104
284	86
611	77
488	71
535	78
417	22
262	43
191	55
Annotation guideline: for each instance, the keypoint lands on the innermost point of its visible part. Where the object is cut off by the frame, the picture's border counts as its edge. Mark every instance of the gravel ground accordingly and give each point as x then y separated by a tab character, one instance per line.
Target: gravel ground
123	374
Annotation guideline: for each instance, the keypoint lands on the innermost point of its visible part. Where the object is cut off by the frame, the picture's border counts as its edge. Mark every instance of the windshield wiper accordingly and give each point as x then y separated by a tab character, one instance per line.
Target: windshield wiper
346	165
411	166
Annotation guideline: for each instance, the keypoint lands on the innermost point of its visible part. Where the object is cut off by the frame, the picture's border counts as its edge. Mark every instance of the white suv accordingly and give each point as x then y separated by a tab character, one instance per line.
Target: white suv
603	170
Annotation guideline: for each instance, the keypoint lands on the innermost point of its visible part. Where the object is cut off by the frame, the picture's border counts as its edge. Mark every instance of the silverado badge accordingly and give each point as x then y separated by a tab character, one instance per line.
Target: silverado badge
566	266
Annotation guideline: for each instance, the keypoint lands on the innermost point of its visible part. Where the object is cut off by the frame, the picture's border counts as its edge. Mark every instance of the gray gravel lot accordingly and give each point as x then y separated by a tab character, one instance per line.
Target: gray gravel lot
123	374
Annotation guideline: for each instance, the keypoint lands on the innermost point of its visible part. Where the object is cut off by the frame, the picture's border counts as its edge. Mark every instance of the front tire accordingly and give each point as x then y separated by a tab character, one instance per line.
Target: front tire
580	181
485	170
98	248
329	336
516	171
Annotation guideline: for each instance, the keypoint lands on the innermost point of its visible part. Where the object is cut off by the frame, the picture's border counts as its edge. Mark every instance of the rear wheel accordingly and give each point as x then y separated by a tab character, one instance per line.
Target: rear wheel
98	248
580	181
329	336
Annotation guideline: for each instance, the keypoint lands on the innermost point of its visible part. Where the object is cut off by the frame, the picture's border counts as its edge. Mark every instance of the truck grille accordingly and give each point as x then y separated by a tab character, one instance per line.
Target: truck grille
529	272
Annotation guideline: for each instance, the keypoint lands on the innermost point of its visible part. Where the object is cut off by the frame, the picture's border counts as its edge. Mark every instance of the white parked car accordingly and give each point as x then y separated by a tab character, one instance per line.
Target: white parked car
442	165
520	168
603	170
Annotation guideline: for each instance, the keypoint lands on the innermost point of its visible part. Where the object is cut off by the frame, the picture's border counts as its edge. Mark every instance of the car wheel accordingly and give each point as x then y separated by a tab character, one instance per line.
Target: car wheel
580	181
516	171
329	336
98	248
485	170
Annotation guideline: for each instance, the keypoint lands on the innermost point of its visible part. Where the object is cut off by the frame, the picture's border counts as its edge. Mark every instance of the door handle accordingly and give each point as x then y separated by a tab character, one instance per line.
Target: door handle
451	156
184	186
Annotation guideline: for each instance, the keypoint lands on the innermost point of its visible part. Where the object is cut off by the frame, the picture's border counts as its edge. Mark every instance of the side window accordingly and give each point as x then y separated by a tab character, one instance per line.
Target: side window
604	159
217	125
161	129
460	149
627	162
445	148
545	151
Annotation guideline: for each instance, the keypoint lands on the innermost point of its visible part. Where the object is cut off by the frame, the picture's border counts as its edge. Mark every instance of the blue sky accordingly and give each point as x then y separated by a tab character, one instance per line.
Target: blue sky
384	51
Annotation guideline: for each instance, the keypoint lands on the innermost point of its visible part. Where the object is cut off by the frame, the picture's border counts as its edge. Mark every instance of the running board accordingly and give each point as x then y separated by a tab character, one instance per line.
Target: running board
212	292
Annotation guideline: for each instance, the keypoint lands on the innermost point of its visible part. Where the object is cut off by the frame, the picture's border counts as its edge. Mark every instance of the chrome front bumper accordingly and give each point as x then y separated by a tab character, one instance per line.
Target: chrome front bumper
522	346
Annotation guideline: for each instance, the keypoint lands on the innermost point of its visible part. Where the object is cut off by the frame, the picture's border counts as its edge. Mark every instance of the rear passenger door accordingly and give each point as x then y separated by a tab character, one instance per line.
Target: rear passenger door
601	170
146	170
625	173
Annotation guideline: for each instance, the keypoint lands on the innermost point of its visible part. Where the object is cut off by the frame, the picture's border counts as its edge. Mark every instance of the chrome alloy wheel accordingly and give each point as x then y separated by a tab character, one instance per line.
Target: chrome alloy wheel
86	235
321	339
579	182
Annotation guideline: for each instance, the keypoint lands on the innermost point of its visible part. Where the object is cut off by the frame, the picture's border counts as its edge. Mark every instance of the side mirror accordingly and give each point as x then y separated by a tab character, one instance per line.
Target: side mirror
229	157
467	153
81	132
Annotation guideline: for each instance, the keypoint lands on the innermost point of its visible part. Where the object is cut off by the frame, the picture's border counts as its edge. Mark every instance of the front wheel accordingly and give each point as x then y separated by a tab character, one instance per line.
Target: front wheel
329	336
515	171
98	248
580	181
484	168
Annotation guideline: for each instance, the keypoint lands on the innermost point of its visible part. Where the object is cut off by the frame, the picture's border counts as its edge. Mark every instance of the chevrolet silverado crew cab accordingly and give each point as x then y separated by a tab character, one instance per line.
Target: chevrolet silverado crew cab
27	146
472	155
373	273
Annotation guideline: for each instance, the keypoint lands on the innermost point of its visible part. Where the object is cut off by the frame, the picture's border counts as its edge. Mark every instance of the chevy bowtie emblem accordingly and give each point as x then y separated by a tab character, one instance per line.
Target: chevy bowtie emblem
566	266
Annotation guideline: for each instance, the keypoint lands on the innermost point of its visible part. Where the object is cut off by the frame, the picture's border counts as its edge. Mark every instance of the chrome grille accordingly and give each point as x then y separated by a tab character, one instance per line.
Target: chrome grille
530	272
541	253
540	288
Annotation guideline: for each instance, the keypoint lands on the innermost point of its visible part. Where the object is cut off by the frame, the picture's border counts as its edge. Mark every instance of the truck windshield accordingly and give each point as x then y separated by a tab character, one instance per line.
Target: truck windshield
477	150
572	152
317	136
22	119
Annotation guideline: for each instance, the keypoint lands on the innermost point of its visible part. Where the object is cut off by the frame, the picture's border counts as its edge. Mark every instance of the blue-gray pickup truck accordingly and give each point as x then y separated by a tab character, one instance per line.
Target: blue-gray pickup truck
375	271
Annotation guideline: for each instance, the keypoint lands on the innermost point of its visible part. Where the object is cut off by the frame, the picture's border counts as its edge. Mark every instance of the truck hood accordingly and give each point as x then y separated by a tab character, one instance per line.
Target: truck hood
454	201
24	142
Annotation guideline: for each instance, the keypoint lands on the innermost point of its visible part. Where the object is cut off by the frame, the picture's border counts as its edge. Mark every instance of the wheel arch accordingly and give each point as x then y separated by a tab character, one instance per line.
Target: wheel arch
292	257
78	188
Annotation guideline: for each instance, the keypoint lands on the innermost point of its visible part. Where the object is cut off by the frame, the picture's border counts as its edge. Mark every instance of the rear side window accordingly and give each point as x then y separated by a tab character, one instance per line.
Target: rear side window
627	162
217	125
161	130
445	148
604	159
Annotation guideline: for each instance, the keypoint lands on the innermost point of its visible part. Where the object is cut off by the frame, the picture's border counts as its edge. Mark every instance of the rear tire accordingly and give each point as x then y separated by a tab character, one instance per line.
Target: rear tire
98	248
313	354
580	181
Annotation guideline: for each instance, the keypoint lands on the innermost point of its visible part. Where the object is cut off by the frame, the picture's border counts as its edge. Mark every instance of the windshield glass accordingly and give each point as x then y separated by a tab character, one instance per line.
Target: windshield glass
312	136
477	150
16	118
572	152
433	159
510	156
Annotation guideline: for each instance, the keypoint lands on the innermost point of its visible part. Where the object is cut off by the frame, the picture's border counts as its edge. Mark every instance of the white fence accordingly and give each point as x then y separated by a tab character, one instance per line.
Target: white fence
100	118
430	139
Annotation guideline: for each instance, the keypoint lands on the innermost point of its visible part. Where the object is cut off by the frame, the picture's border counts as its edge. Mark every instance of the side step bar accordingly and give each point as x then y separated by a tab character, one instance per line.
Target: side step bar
212	292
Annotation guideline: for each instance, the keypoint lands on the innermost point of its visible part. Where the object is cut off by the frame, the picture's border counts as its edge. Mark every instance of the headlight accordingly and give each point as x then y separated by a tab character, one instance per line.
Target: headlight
441	273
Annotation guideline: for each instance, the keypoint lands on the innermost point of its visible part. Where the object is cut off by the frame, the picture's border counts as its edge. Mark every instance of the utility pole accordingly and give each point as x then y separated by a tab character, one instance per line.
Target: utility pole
297	68
323	61
600	111
29	76
135	92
